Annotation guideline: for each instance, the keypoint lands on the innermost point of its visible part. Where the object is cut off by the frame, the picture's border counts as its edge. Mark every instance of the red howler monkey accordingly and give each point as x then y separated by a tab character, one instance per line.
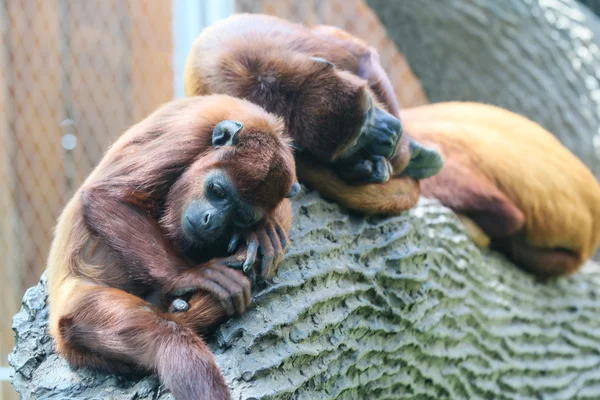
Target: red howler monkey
175	191
332	114
533	199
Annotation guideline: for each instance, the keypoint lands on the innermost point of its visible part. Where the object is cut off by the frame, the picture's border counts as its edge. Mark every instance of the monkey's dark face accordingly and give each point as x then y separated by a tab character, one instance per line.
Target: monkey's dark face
342	108
230	189
379	134
212	217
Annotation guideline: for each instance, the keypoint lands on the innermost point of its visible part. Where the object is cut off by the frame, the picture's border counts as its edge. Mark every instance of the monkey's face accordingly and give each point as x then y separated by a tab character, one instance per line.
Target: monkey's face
218	210
341	108
249	171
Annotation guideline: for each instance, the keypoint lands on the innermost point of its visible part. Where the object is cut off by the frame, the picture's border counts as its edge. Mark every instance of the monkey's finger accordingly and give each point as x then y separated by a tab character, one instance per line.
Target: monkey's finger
183	291
252	241
268	254
277	248
233	243
381	170
236	261
360	171
220	294
243	283
283	237
230	280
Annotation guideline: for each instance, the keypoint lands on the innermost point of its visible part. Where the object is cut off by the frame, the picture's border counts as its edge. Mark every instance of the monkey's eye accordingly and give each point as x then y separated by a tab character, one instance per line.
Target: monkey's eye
217	191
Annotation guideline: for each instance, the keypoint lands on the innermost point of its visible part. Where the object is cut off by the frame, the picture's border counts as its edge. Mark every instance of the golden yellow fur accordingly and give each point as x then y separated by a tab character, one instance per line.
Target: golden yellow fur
558	196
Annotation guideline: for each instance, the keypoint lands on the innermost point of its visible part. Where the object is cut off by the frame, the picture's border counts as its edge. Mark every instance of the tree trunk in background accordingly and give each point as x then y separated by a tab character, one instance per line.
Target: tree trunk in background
403	307
540	58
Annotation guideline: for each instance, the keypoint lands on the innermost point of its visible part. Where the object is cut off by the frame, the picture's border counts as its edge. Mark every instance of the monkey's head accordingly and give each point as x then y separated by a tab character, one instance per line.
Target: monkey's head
247	171
340	112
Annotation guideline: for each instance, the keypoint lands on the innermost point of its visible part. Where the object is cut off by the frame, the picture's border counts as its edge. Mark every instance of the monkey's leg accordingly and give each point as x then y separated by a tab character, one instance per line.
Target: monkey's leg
122	328
543	262
467	191
394	196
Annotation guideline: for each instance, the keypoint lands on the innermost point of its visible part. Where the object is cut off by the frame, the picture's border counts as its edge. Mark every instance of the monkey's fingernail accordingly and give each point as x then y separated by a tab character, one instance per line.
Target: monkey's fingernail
179	305
235	264
233	243
251	254
282	236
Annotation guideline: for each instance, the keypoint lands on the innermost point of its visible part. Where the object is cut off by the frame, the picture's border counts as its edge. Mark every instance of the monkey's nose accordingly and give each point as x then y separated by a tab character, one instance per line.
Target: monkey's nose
200	222
386	140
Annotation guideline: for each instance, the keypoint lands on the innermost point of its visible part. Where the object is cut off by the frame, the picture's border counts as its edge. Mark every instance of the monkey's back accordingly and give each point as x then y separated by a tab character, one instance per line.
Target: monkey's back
254	43
558	195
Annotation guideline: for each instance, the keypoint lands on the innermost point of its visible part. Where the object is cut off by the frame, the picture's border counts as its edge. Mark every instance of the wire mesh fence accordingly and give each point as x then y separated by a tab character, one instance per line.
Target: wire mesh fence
74	75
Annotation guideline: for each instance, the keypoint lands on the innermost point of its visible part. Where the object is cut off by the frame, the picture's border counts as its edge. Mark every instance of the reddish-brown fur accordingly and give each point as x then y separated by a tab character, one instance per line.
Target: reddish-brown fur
268	61
118	241
533	198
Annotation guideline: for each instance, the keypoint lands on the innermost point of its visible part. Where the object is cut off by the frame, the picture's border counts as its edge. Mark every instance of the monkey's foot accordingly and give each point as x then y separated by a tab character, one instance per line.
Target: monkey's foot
474	231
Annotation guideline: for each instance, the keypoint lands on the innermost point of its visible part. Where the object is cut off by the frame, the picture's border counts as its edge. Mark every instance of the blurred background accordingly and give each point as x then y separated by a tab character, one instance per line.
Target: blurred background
75	74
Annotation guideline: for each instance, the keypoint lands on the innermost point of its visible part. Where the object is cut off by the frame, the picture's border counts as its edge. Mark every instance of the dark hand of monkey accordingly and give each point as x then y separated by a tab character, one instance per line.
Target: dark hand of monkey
269	241
375	169
230	287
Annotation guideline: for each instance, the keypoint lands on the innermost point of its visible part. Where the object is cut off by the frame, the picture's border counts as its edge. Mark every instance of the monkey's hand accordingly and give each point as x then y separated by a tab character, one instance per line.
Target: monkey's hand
230	287
268	243
375	169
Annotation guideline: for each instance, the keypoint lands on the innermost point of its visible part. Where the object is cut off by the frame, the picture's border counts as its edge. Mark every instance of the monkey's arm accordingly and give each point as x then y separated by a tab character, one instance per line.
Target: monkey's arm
394	196
134	234
370	69
123	219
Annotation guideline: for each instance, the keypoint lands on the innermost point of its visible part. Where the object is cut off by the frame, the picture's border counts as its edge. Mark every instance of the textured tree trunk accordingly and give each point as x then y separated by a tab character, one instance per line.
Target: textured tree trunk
403	307
540	58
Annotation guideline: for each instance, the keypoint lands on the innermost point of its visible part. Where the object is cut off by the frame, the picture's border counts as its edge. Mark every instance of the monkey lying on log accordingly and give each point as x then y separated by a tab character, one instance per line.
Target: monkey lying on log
513	184
333	114
167	210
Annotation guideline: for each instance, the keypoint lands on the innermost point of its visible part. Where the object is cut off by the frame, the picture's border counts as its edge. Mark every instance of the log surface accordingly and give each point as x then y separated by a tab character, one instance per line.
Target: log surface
398	308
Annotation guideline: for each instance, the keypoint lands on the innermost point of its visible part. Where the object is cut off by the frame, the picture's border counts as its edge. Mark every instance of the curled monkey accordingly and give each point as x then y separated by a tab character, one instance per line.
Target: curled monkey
168	208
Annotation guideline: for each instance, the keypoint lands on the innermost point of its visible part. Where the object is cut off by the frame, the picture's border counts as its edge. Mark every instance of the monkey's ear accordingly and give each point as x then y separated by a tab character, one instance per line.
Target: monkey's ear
424	162
226	133
294	190
322	60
